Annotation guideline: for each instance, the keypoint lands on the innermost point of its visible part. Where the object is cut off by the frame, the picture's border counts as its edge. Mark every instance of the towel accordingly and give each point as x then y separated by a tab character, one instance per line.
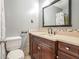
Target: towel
60	18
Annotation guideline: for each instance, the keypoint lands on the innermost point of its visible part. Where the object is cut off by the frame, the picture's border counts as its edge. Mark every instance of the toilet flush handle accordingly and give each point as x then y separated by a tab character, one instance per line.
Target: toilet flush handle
23	32
2	41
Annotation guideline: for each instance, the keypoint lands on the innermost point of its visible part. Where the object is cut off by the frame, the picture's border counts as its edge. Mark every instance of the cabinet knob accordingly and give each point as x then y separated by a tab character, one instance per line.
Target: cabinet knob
67	48
57	57
39	48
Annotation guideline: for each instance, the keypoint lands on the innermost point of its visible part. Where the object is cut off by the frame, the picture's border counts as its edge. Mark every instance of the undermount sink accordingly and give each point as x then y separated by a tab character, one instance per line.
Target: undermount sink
46	34
43	33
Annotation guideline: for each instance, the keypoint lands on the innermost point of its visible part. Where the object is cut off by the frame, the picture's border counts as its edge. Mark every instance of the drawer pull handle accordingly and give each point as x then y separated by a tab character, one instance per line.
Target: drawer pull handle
66	48
39	48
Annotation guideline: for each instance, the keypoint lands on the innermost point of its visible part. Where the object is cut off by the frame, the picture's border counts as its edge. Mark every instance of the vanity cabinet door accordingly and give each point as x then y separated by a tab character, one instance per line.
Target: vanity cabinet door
35	51
62	55
46	52
41	48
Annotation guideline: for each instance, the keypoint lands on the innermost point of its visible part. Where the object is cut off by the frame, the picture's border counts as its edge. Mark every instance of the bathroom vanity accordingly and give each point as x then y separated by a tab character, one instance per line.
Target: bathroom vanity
43	47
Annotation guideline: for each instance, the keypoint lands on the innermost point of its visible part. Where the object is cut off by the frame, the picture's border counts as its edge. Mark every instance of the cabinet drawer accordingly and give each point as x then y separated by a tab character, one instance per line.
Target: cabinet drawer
35	38
62	55
44	41
48	42
68	48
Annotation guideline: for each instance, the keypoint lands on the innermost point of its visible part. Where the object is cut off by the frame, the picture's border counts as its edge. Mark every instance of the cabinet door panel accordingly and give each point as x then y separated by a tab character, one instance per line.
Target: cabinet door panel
62	55
41	48
35	50
47	52
30	44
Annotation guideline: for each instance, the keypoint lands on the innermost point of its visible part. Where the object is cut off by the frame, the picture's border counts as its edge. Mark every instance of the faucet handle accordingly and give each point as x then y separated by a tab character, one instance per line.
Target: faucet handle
54	33
49	30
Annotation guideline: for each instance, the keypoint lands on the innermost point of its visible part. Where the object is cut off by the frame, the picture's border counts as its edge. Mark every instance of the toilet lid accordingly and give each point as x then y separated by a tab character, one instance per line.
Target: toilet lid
15	54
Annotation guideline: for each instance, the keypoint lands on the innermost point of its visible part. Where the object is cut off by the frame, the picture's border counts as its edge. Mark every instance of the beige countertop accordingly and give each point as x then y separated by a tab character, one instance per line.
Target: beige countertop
62	38
43	35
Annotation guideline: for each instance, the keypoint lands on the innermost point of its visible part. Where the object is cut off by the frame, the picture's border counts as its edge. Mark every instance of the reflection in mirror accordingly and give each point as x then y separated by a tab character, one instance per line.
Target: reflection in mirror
57	13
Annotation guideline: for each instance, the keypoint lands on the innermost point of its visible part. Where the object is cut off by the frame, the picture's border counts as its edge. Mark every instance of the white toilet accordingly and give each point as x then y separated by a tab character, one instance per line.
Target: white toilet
13	46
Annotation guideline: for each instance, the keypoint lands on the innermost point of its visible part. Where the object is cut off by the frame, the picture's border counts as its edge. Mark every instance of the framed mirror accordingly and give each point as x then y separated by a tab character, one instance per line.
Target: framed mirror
57	14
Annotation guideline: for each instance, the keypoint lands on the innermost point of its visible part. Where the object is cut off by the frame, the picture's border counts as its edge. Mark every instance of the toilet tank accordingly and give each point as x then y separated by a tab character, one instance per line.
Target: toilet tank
13	43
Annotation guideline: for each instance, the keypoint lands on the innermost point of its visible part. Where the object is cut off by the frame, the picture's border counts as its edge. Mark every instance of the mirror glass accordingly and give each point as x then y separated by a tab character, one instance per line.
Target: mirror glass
57	13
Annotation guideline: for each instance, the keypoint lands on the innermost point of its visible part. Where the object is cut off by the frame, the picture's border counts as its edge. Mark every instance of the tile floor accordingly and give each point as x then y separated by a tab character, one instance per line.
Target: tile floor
27	57
26	52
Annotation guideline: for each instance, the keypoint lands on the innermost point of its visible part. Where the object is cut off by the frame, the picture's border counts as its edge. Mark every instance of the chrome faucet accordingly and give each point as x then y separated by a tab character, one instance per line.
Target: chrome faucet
49	30
54	32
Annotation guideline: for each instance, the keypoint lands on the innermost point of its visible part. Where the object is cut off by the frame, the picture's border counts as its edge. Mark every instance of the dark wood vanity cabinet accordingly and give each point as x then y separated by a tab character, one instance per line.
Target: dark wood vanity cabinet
67	51
41	48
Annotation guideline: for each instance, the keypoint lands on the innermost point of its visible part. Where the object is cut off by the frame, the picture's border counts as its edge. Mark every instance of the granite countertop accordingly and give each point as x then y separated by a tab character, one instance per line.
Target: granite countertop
62	38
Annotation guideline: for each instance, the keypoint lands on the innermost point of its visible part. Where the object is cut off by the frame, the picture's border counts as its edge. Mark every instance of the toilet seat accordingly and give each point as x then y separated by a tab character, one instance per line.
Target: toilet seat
15	54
